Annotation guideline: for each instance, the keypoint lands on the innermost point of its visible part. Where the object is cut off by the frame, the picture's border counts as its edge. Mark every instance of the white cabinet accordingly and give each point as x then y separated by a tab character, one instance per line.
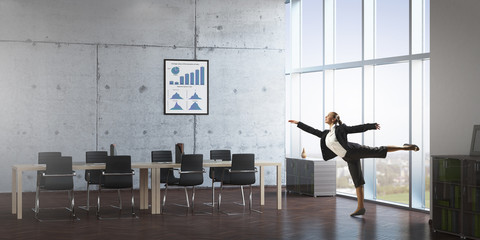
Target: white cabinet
309	176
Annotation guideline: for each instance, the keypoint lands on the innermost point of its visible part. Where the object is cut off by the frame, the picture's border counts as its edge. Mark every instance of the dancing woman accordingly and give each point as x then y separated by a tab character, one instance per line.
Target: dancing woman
334	143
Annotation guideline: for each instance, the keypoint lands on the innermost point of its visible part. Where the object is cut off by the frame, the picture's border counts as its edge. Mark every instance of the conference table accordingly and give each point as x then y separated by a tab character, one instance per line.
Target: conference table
144	167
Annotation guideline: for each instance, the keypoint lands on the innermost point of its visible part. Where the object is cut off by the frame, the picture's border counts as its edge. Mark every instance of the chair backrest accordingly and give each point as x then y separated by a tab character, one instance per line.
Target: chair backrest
93	176
244	161
218	172
163	156
224	155
191	162
43	156
117	165
42	159
95	156
58	166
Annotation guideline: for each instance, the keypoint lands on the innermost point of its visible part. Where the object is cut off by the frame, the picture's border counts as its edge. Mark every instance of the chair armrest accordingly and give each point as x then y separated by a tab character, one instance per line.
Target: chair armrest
60	175
243	171
189	172
119	174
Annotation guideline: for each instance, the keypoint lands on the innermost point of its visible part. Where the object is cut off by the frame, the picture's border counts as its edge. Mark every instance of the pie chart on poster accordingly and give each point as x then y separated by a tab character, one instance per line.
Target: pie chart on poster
175	70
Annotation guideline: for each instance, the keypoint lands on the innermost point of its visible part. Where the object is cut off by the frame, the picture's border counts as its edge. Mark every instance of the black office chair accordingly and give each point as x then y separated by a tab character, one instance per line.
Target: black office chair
58	176
164	156
92	177
42	159
242	173
215	173
191	174
118	174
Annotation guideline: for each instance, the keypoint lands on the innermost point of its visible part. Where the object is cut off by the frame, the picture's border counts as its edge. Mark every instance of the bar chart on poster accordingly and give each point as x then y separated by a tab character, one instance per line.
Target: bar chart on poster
186	86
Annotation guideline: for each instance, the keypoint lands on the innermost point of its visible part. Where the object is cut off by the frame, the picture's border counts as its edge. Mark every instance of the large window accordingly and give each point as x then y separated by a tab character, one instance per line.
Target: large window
391	112
311	95
348	31
347	84
367	60
391	25
312	37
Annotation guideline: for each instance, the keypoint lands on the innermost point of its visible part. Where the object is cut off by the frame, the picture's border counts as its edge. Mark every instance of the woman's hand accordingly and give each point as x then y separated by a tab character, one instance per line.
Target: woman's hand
377	126
293	121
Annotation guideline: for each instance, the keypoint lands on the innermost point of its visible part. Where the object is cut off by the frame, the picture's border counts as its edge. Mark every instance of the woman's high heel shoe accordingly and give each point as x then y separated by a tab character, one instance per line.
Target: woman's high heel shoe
415	147
359	212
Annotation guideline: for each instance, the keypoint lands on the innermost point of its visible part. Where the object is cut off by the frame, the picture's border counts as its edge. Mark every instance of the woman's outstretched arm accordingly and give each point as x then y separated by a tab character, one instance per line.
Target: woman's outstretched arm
362	128
307	128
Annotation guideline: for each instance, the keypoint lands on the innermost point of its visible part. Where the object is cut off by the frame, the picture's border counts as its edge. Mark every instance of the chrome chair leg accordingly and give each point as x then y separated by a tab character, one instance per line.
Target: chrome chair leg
119	200
250	200
212	204
220	196
186	196
98	202
243	196
69	199
88	196
213	193
133	203
71	208
87	206
120	207
72	203
37	201
164	198
193	200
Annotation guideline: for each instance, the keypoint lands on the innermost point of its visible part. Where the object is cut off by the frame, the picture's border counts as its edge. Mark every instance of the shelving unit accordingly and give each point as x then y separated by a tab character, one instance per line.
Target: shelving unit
472	198
456	195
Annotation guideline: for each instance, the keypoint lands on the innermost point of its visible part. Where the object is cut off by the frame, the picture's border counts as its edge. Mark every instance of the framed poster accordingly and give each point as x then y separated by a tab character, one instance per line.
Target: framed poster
186	86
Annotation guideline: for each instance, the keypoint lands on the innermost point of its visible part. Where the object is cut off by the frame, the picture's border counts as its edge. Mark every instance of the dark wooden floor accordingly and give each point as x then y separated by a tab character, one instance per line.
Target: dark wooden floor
302	217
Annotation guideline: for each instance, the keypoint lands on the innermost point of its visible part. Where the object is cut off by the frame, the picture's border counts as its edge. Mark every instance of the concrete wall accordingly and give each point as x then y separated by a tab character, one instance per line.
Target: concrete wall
77	76
455	75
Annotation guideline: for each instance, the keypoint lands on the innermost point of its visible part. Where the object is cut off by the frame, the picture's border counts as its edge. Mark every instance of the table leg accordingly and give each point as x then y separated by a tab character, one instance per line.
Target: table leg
153	182
279	187
158	195
144	188
156	200
262	186
19	195
14	191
